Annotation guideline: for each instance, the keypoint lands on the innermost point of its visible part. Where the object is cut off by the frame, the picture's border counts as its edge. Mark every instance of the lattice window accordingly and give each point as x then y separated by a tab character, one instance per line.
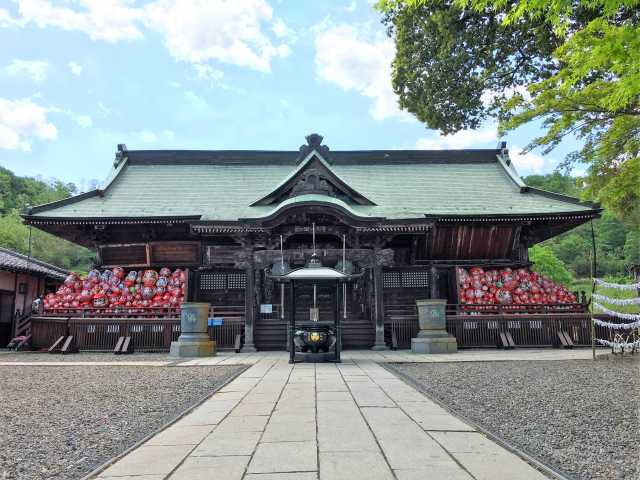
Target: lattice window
513	324
415	279
113	328
237	280
91	329
213	281
467	325
493	325
157	328
535	323
223	281
391	280
136	328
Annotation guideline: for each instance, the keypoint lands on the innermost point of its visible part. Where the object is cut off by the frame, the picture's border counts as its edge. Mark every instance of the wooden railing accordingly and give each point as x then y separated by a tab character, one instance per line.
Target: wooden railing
527	330
534	326
480	309
147	334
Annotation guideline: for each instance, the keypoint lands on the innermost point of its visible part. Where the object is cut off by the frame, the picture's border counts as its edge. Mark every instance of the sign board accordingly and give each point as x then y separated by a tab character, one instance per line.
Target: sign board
215	322
266	308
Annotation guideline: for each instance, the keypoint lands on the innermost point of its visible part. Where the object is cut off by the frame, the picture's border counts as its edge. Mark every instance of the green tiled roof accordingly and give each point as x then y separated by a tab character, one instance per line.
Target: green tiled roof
402	186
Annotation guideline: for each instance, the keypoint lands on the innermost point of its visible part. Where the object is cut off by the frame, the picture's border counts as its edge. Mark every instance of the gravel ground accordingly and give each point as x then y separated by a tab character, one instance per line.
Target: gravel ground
9	356
580	416
62	422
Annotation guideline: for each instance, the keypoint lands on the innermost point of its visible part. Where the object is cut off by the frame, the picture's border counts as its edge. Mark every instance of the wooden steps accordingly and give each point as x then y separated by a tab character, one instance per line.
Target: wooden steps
272	334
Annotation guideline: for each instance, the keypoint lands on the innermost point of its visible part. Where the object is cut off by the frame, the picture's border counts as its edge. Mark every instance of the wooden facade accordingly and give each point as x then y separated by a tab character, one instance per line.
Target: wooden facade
405	252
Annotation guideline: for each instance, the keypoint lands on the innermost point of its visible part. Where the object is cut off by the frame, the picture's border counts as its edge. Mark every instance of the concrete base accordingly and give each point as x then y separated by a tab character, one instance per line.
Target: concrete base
199	348
434	344
379	347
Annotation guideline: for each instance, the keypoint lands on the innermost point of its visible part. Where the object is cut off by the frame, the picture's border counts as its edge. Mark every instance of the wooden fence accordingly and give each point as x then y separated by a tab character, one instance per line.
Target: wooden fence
147	334
482	329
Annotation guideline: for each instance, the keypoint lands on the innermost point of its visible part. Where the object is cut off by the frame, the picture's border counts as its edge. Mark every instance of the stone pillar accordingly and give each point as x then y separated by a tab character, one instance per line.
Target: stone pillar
249	311
194	340
433	336
378	308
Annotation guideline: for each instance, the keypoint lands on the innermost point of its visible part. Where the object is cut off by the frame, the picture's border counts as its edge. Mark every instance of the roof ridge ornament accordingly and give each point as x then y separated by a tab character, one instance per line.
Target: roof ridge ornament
121	154
314	142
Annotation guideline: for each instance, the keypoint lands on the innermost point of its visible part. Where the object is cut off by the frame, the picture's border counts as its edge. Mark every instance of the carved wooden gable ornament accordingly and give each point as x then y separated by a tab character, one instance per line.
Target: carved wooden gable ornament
314	175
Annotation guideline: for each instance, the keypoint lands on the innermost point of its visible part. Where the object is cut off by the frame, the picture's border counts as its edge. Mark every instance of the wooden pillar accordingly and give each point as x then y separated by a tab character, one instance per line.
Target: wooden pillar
378	308
249	310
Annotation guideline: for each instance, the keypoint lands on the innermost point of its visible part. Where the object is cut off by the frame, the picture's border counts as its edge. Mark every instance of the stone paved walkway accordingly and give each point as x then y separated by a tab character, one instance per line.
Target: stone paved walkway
230	358
349	421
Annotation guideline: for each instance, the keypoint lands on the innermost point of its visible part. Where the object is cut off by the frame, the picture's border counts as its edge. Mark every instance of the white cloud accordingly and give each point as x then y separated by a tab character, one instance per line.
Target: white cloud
459	140
351	7
84	121
75	68
529	163
198	31
6	20
168	134
149	136
207	72
196	101
355	59
108	20
243	33
21	121
36	70
104	110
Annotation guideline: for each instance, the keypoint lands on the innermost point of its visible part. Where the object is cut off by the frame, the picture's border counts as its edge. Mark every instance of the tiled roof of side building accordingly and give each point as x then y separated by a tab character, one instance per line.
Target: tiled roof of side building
17	262
223	186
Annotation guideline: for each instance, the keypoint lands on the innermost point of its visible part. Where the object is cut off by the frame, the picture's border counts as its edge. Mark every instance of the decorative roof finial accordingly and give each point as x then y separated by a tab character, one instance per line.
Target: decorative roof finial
121	154
314	142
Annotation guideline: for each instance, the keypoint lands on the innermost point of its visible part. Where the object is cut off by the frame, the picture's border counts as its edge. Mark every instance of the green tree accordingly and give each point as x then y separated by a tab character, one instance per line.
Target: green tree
573	66
546	263
17	192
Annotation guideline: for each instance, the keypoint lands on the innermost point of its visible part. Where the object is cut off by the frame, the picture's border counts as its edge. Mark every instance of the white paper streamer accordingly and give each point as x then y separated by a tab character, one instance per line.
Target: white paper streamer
617	326
616	301
617	286
619	345
634	317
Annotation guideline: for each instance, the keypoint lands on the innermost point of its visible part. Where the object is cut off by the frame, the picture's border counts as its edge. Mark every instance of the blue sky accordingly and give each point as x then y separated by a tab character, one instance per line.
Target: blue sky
79	76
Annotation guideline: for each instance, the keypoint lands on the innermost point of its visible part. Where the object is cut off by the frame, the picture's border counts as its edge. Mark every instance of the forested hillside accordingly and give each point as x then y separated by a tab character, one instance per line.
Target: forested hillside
15	193
617	243
565	257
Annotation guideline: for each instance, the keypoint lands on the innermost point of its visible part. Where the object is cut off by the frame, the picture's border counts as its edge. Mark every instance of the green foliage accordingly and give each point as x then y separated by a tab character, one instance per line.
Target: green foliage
546	263
574	66
17	192
617	243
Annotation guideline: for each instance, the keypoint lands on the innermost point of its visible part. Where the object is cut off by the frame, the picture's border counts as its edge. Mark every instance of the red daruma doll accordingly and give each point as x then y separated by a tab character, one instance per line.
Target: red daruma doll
100	300
149	278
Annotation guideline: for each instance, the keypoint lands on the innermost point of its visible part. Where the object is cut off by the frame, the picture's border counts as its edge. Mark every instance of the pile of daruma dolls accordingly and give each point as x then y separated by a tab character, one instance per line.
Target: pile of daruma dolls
116	288
507	286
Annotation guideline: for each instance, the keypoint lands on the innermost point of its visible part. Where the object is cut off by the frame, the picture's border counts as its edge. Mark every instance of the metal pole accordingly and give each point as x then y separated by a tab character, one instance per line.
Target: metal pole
344	269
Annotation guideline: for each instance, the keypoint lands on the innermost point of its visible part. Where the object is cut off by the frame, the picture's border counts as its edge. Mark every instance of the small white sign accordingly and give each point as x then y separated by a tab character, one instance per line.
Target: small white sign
266	308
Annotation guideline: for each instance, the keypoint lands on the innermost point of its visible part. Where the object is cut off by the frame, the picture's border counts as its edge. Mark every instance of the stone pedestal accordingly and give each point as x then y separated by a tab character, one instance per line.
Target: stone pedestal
433	336
193	340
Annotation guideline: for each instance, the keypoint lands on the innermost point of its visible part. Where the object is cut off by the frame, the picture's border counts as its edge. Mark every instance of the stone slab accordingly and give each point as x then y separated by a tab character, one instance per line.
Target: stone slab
206	468
354	466
181	435
221	444
284	457
149	460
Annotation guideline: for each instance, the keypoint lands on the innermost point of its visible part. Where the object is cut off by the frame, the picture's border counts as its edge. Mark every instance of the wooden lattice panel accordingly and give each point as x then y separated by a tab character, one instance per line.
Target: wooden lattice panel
237	280
415	279
223	281
392	279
